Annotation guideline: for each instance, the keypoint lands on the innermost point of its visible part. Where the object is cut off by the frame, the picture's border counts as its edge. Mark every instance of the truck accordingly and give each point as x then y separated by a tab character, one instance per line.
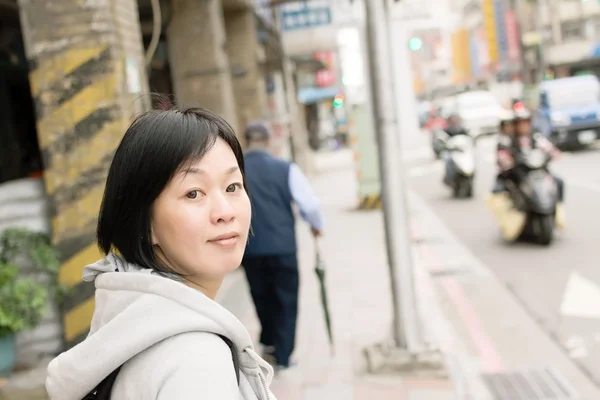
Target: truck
568	111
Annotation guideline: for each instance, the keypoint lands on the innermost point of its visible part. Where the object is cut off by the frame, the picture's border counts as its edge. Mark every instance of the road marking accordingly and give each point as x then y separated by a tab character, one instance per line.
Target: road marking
581	298
577	347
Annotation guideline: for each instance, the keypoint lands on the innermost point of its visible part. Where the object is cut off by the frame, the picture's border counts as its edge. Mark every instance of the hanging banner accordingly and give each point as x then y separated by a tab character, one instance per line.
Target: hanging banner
325	77
489	22
512	36
460	56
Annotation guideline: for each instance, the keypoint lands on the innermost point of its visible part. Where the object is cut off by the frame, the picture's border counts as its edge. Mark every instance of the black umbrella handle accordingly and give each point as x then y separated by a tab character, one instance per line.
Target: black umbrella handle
317	248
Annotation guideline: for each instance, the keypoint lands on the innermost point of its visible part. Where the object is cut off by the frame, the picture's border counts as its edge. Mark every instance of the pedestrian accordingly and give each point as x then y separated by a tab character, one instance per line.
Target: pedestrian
173	222
270	261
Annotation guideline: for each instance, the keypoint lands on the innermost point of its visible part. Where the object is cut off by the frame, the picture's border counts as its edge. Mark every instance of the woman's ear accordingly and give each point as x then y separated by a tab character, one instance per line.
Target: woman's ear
153	237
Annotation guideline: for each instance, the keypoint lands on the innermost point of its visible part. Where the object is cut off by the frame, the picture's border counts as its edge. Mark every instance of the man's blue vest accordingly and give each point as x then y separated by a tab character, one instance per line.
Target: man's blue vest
273	223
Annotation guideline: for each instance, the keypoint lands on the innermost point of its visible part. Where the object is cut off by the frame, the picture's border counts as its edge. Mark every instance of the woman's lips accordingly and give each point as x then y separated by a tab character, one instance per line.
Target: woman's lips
229	240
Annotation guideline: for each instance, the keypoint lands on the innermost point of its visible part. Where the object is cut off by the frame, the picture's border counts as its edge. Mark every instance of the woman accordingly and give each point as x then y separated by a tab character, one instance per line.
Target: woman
173	222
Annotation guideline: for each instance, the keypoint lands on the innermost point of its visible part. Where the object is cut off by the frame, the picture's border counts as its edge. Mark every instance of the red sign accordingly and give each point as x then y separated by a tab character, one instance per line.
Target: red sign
512	36
325	77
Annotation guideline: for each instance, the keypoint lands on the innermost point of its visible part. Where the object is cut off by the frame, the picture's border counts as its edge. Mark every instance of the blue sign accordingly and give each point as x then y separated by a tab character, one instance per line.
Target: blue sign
305	18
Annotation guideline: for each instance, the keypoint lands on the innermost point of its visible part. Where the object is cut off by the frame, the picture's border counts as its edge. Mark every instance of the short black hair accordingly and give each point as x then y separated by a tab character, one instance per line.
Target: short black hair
155	147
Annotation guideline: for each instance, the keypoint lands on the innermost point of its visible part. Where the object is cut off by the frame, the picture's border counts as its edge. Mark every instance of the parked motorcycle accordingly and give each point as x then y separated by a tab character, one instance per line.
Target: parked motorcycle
528	209
461	151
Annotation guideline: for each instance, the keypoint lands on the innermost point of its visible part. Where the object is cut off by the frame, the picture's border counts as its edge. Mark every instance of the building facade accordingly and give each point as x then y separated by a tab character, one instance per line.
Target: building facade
560	38
74	74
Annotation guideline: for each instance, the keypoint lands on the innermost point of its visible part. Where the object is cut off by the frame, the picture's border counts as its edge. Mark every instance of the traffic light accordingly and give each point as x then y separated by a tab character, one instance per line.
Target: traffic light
338	101
415	44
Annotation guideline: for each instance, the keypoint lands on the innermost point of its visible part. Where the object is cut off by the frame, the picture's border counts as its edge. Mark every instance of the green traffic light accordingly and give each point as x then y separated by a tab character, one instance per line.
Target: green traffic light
415	44
338	103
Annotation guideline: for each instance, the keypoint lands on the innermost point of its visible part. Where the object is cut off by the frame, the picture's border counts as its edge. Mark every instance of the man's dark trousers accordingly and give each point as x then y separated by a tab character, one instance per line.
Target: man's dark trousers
274	283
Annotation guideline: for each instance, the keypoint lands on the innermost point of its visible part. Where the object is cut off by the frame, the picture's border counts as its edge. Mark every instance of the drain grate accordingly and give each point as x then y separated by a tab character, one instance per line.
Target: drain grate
539	384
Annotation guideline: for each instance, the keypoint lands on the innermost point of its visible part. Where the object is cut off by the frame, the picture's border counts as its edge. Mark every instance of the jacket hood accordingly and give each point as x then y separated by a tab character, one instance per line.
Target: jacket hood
136	308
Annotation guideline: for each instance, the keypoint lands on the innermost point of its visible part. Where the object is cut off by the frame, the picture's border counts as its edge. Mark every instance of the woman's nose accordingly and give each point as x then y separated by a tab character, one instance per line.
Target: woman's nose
222	210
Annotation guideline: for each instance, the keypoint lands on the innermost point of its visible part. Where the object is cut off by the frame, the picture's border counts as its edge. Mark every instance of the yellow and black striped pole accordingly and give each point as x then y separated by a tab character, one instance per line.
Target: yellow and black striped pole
79	87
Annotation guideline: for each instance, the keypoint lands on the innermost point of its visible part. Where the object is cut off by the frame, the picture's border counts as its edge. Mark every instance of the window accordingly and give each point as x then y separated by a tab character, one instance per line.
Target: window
574	95
572	30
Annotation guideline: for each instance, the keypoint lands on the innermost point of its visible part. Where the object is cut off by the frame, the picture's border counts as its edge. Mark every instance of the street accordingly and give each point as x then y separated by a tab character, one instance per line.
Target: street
559	286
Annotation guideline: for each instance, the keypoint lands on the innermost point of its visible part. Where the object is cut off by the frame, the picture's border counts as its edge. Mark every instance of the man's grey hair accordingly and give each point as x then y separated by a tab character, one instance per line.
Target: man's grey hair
257	131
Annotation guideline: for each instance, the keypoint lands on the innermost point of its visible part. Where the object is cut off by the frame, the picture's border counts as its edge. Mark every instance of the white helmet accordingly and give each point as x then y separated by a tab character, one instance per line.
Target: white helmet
522	114
507	116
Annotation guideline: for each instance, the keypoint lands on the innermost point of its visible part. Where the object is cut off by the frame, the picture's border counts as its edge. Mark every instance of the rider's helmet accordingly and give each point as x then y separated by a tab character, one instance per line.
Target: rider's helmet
522	114
506	117
454	118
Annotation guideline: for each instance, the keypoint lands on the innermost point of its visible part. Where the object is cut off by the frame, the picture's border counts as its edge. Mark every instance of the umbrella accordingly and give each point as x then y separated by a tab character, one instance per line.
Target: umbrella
320	271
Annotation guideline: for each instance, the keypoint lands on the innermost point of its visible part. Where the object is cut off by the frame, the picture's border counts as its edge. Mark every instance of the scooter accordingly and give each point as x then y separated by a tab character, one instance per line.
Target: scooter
438	142
461	151
528	210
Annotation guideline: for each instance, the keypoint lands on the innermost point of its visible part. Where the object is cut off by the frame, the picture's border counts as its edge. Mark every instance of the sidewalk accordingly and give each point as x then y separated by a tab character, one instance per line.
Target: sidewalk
353	246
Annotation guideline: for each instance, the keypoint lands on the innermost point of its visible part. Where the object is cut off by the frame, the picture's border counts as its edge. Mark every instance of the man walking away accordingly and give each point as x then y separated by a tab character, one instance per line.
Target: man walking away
270	261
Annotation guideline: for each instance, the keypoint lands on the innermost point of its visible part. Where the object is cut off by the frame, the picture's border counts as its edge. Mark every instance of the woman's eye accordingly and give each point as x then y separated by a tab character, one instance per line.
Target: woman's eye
234	187
194	194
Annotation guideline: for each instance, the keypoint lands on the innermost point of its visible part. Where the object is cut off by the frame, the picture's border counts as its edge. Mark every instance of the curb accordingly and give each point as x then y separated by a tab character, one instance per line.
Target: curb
462	368
503	339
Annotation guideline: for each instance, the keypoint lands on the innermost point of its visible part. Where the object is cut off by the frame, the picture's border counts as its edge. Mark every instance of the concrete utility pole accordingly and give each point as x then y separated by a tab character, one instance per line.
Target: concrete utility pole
407	327
539	28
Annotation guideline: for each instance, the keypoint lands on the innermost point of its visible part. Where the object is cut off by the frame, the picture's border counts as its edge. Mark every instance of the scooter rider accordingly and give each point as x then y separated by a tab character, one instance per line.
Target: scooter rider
504	152
454	128
524	139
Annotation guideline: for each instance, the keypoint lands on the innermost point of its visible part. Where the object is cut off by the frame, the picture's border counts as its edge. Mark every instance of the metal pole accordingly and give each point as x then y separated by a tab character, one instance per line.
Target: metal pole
539	27
406	326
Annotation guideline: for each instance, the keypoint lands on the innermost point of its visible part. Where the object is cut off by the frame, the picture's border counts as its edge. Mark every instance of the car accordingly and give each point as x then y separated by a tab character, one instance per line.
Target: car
479	110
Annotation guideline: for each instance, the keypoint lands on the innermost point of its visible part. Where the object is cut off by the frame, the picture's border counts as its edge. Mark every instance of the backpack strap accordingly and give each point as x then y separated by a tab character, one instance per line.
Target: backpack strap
234	356
104	388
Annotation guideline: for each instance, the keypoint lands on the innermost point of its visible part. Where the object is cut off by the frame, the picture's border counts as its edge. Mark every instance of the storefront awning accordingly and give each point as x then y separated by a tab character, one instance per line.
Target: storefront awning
314	94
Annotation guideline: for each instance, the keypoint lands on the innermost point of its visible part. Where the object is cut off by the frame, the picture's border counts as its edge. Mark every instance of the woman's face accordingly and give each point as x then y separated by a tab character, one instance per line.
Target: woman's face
200	221
508	128
523	127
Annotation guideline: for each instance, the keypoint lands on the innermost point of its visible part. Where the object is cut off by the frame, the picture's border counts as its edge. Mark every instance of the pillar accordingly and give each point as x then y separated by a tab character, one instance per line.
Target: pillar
243	49
87	75
200	68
